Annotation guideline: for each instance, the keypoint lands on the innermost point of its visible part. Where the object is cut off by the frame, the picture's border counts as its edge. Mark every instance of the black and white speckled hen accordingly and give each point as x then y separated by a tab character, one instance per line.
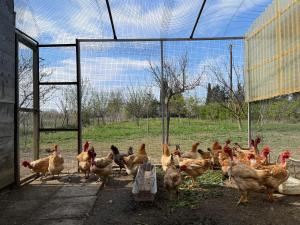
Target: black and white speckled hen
118	157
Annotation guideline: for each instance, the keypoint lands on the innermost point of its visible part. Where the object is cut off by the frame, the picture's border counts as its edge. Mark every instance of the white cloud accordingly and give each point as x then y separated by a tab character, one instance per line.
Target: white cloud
132	20
106	70
218	13
89	19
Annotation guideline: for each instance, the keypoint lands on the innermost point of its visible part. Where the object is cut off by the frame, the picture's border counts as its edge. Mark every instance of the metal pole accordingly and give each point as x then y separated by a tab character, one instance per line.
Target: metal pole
230	73
198	17
111	20
16	116
36	103
162	96
56	45
79	125
249	124
162	39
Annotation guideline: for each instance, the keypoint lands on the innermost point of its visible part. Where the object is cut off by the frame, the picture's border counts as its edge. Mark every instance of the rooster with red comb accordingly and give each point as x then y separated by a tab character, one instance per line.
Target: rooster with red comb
85	159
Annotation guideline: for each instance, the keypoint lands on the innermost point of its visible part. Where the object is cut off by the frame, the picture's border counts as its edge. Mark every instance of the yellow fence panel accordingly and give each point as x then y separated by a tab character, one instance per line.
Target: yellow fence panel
272	52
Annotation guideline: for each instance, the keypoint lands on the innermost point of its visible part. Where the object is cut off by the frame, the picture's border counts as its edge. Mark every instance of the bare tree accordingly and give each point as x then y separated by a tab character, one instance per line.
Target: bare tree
85	99
235	104
115	105
99	105
65	106
173	81
138	103
191	107
25	88
25	75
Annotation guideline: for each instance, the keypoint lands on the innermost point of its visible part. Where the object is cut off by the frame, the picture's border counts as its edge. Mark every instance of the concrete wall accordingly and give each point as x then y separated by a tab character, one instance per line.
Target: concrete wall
7	91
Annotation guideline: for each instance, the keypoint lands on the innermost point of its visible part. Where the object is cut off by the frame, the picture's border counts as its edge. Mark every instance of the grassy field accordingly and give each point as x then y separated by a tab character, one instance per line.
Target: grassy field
183	132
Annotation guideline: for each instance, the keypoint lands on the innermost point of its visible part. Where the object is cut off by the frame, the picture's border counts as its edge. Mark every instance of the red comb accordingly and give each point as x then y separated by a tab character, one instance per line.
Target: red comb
266	149
177	153
227	150
251	156
183	167
25	163
86	146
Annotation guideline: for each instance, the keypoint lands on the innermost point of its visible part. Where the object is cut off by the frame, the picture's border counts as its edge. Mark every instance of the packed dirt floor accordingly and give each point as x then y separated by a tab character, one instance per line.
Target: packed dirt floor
71	200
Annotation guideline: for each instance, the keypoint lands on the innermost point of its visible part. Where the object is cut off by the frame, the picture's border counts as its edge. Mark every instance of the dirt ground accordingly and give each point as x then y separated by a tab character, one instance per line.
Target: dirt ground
72	200
212	205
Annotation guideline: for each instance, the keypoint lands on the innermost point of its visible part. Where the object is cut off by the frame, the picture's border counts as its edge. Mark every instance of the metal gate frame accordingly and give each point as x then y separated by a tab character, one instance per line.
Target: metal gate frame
78	85
32	44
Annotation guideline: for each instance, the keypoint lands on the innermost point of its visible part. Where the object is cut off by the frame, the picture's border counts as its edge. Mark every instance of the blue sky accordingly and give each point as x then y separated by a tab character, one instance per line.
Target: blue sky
115	65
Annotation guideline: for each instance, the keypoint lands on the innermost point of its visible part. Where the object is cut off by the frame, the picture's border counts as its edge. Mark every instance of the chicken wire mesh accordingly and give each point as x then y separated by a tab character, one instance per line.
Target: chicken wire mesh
56	21
25	75
25	80
57	64
277	122
209	60
121	98
272	52
120	103
58	103
25	141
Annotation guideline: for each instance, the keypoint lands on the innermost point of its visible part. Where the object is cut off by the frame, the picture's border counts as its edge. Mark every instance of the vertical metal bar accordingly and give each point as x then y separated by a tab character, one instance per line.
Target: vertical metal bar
78	95
230	71
16	116
249	124
279	45
162	96
36	103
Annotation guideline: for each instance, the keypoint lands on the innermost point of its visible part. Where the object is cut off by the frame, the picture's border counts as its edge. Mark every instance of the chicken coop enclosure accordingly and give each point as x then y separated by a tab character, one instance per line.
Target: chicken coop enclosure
106	91
82	74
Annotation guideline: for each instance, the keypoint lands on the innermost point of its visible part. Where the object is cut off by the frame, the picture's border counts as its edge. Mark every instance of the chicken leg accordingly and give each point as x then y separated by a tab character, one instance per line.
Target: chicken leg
270	196
244	198
193	183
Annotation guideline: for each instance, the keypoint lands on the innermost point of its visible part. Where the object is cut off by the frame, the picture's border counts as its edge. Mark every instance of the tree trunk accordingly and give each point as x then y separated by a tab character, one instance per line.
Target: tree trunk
67	120
239	123
103	120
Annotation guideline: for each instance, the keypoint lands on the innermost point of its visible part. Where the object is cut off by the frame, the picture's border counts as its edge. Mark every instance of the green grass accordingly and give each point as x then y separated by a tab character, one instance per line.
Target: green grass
205	188
128	133
279	136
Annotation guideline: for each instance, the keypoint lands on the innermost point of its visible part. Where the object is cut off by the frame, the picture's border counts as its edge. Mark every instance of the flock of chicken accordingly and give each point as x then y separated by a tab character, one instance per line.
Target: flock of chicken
247	167
88	162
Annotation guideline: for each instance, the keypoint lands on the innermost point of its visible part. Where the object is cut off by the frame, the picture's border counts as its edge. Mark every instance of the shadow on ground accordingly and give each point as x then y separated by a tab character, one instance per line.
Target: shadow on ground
72	200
